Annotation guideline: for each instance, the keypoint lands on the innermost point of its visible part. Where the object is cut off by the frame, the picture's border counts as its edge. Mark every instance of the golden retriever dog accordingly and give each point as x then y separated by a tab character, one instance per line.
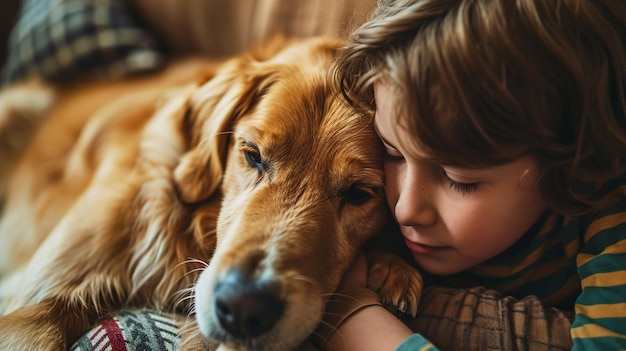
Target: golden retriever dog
249	183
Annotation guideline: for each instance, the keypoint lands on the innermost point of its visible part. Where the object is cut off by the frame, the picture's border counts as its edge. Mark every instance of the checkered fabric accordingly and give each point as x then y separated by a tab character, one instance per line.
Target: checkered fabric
483	319
64	39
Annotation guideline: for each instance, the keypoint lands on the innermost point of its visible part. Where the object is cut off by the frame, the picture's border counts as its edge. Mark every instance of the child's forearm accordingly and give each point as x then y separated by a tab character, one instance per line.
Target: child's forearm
371	328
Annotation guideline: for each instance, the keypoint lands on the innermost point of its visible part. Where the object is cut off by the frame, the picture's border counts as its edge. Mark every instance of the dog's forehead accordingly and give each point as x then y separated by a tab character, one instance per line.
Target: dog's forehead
303	120
306	120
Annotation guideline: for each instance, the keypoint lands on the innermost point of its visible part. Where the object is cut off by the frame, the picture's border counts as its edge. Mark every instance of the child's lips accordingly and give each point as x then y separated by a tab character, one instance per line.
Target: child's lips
422	248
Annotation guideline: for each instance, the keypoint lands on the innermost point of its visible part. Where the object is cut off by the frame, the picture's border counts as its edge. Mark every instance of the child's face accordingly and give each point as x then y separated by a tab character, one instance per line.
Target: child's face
454	218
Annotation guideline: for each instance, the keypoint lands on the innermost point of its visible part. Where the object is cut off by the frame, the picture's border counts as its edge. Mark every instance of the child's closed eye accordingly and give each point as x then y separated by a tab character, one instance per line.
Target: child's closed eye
393	158
392	154
460	187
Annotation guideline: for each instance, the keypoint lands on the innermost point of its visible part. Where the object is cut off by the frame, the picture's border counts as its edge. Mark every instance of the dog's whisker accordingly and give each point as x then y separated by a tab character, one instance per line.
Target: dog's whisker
186	298
186	290
180	295
200	269
306	279
188	262
334	297
191	272
193	260
192	312
194	271
208	138
183	296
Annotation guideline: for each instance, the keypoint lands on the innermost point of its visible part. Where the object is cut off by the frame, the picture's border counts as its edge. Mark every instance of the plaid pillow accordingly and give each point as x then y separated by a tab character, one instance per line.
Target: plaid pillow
131	330
64	39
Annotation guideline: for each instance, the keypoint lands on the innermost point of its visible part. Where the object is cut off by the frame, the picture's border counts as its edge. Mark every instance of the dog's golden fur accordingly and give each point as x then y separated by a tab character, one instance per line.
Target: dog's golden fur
129	190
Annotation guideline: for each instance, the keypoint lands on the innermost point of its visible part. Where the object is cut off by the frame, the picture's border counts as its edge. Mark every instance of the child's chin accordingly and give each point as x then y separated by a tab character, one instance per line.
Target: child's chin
442	264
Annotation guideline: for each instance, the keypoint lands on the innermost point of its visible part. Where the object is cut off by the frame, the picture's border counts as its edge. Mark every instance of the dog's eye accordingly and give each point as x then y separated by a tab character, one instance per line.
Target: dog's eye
254	159
358	194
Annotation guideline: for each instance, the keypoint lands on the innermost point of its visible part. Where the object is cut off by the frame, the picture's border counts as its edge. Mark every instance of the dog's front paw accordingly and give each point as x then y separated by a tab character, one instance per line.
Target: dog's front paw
397	282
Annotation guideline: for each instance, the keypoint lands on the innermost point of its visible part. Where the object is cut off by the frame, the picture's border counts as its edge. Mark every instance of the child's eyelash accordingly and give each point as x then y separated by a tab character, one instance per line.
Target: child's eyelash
393	158
463	188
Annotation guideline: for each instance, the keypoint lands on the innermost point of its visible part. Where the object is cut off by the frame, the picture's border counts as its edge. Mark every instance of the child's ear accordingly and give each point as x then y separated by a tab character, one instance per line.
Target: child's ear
215	109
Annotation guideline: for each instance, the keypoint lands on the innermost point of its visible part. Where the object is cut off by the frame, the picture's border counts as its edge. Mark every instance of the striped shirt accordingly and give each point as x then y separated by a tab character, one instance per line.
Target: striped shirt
575	264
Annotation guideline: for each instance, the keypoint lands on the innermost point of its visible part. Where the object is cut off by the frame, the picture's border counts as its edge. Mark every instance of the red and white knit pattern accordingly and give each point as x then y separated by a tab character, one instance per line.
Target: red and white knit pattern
131	330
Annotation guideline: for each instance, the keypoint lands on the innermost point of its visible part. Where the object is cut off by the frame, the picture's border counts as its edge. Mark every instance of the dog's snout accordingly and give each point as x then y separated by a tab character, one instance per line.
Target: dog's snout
245	308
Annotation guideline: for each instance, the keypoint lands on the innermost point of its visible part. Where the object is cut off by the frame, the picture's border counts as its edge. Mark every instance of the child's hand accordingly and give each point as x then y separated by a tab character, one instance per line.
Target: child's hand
356	276
357	319
351	296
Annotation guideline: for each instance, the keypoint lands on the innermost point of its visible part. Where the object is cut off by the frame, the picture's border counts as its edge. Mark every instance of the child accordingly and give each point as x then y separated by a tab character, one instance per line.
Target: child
505	129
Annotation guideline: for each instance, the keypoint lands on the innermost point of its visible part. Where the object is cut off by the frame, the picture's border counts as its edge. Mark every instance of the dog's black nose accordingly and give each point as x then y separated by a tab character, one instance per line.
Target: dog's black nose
245	308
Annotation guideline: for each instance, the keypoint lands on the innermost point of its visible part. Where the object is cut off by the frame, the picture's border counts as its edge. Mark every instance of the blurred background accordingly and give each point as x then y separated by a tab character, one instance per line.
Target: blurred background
8	14
62	40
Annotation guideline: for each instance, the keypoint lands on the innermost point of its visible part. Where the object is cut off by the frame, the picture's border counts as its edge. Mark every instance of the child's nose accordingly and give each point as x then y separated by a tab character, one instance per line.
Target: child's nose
415	206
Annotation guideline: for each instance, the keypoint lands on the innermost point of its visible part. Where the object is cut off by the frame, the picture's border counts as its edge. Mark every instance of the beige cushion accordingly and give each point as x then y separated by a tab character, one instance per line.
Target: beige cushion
225	27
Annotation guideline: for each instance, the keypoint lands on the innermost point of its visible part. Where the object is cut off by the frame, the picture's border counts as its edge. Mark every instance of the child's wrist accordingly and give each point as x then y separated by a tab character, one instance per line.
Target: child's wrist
341	306
369	328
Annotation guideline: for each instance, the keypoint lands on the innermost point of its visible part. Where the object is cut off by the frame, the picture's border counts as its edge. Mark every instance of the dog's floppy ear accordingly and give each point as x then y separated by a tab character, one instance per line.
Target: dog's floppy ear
215	108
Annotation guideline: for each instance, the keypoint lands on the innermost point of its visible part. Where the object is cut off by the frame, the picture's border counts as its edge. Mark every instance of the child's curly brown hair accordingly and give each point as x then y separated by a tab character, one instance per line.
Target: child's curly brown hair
484	82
